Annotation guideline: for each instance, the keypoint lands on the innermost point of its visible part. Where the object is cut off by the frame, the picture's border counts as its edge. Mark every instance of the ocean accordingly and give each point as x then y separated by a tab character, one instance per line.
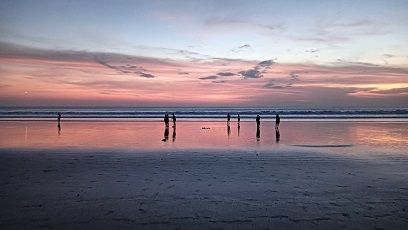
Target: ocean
202	113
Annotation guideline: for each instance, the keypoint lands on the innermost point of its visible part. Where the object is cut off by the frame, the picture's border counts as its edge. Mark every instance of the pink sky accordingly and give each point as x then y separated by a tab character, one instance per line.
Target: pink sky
38	77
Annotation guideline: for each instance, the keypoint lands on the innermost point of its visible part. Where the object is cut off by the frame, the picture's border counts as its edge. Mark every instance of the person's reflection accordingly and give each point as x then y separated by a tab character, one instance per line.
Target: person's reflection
228	129
239	127
166	134
174	133
277	135
258	133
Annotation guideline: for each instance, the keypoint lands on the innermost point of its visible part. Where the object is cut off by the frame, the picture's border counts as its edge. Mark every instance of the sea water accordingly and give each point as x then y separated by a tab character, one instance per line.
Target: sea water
202	113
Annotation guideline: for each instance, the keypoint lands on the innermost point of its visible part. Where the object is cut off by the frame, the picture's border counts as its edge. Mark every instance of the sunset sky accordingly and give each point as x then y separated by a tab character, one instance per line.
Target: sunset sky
204	53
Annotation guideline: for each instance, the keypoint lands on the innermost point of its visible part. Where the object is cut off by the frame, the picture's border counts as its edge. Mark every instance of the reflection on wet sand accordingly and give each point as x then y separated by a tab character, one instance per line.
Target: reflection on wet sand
147	135
258	133
174	132
239	127
166	133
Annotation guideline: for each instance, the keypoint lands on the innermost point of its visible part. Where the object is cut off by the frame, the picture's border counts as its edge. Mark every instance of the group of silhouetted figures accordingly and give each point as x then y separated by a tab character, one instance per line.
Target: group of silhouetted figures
166	130
167	121
258	126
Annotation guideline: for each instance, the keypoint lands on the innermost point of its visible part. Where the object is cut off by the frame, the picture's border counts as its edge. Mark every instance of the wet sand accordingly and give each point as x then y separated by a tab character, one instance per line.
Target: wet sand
122	175
289	188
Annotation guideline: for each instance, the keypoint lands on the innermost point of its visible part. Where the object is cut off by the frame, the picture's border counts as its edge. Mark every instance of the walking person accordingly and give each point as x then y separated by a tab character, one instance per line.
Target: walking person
277	121
258	121
166	120
174	120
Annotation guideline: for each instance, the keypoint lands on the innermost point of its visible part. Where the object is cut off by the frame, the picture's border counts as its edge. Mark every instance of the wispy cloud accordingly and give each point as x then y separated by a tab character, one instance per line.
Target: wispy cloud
226	74
146	75
79	74
212	77
258	70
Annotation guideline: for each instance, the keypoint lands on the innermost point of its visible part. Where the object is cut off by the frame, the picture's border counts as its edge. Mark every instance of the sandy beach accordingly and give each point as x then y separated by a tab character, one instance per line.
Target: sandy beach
270	186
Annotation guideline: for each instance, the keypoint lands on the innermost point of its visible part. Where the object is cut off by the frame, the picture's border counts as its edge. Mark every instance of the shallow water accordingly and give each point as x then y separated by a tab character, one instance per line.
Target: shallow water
341	137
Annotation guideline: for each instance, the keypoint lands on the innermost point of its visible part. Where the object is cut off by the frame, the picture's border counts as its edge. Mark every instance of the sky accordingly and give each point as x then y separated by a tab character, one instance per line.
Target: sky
254	53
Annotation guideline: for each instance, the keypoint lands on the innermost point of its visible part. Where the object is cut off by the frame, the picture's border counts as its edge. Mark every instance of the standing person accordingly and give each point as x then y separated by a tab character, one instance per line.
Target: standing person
239	123
228	117
258	121
59	123
166	120
174	120
277	121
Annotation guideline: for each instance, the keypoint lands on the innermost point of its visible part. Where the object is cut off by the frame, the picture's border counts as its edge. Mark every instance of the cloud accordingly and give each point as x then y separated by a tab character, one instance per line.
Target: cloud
218	82
258	70
147	75
107	65
183	73
209	77
350	63
266	63
294	76
244	46
272	85
226	74
252	73
312	51
241	48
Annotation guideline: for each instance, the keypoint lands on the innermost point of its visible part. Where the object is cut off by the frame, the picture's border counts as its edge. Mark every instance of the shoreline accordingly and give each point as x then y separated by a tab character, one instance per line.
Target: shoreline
202	188
184	120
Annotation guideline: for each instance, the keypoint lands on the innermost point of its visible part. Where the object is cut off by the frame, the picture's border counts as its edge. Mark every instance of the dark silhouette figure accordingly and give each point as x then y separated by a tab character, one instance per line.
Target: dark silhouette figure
277	121
277	135
174	120
228	117
59	123
258	121
174	133
258	133
166	120
239	123
166	134
228	129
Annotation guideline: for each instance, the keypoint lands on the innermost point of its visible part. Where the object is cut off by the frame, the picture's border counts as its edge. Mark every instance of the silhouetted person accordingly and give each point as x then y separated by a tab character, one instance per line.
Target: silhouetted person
239	119
277	135
59	124
166	120
258	121
174	119
228	117
277	121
